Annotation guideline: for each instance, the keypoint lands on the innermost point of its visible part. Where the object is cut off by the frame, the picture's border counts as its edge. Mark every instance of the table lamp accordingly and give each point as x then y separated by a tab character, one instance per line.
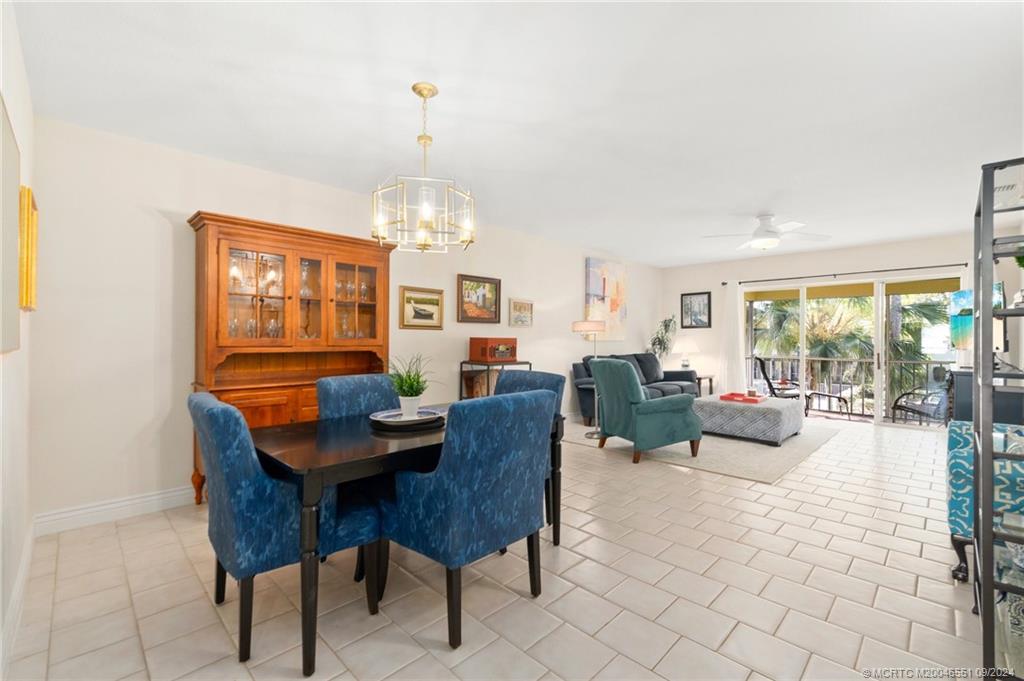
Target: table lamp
592	327
589	326
685	346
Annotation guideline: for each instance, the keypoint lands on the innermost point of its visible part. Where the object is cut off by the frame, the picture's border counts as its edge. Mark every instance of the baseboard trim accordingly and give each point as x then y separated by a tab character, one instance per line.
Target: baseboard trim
105	511
12	618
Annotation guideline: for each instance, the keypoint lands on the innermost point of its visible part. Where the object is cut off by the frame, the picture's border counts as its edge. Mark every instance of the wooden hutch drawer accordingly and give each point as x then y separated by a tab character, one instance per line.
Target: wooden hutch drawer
262	407
307	406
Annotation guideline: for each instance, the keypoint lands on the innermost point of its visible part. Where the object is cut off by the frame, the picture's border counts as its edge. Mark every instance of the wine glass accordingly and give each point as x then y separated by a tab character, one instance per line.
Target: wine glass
364	289
305	291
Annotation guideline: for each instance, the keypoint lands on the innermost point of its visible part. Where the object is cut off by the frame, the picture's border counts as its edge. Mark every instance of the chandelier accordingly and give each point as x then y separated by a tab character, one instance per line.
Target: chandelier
423	213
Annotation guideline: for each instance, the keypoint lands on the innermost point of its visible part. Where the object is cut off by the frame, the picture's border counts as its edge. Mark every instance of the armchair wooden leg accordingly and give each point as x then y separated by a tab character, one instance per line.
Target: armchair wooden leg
360	565
636	456
600	443
533	558
694	446
220	584
453	585
371	556
244	618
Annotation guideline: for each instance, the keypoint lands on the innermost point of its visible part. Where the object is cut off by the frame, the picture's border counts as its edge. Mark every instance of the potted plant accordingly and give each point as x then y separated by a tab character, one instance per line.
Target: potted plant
410	381
661	341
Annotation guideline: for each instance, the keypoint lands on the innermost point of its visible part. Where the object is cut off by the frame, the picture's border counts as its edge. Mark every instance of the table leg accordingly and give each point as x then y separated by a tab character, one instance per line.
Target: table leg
312	490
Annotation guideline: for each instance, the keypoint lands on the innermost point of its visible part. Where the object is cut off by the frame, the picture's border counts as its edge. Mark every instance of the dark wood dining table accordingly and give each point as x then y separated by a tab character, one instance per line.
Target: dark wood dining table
332	451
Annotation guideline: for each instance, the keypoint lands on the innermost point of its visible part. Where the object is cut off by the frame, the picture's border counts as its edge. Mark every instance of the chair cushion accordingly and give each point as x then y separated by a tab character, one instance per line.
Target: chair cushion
635	364
674	387
650	366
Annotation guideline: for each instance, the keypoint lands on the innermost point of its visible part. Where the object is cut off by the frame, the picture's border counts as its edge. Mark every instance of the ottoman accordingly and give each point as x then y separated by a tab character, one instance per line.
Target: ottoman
771	421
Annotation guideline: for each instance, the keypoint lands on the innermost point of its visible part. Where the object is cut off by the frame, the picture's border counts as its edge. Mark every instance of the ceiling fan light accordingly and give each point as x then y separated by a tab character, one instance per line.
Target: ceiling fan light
765	243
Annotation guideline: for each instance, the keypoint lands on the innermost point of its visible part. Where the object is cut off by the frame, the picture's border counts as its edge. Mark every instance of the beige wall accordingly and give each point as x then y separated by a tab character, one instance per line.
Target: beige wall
15	515
113	338
939	250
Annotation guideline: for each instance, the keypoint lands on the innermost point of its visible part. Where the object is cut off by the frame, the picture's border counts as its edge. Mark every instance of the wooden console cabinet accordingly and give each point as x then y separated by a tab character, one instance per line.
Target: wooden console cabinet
279	307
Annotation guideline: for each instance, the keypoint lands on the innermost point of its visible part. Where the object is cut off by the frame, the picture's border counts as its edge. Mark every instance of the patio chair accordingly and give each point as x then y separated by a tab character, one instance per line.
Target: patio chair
792	391
922	403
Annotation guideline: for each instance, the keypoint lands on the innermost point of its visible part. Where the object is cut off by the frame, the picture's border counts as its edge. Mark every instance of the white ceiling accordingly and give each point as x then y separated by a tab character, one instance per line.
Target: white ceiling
632	128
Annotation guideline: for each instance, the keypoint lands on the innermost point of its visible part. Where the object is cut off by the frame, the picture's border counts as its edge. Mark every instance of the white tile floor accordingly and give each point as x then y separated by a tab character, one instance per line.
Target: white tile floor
663	572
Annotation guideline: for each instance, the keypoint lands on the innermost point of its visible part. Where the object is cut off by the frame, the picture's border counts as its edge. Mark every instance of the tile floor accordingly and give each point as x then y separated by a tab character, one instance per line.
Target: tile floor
663	572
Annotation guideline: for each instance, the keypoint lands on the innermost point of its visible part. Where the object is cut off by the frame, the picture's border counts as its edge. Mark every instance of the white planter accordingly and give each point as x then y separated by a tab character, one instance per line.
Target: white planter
410	406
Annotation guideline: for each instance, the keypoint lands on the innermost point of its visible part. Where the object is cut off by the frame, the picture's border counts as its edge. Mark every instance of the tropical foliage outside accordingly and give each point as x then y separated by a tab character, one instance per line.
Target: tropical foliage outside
840	346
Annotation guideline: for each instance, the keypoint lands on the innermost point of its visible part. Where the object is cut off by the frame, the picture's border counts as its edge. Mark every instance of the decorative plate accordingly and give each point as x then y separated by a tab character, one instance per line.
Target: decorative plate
393	417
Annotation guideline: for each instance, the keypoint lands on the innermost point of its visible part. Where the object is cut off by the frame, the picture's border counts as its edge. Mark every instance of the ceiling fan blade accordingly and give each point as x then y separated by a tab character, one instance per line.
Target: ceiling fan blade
808	236
724	236
744	245
789	226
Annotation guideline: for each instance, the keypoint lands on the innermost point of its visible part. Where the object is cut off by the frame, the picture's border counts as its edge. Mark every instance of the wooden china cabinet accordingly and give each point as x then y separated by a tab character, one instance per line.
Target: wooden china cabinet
279	307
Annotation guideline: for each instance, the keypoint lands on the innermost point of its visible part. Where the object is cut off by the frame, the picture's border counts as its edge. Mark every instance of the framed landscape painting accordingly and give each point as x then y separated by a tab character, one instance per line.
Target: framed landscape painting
420	308
479	299
695	310
605	296
520	312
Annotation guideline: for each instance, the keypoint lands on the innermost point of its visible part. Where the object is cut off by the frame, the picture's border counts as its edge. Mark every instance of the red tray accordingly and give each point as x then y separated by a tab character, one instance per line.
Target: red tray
740	397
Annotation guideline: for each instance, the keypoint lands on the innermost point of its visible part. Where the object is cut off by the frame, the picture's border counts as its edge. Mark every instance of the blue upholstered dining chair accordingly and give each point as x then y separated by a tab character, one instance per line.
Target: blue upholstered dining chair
254	518
356	395
484	494
522	381
359	395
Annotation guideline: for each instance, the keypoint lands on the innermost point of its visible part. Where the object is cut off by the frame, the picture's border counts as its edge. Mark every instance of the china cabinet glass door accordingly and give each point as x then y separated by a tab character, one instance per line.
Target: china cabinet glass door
310	330
354	317
253	299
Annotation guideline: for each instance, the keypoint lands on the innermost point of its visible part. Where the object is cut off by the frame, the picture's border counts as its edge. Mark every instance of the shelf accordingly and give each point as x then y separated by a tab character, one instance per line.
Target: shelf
1008	312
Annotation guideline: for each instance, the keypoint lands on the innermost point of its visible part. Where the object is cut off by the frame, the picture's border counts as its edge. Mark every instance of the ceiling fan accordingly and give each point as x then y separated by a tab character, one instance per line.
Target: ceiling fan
768	235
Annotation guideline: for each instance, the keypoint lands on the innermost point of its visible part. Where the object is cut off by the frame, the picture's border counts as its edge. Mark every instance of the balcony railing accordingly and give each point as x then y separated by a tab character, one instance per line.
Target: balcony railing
854	380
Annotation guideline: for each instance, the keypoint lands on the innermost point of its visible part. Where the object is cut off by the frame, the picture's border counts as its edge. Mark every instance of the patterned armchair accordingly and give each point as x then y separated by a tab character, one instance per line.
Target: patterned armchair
254	518
360	395
1008	483
627	412
523	381
484	494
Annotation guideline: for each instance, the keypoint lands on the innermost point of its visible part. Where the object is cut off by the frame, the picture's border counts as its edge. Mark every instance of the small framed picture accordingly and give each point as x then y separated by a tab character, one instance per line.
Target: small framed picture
520	312
695	310
421	308
479	299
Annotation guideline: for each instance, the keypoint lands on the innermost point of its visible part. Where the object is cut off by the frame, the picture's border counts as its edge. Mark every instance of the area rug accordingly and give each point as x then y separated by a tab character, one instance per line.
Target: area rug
723	455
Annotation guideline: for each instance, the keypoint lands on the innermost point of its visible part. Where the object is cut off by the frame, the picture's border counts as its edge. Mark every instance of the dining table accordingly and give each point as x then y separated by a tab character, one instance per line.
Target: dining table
327	452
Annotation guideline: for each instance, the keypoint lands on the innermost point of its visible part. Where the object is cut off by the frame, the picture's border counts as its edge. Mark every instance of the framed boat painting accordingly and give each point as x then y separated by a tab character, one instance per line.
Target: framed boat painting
421	308
520	312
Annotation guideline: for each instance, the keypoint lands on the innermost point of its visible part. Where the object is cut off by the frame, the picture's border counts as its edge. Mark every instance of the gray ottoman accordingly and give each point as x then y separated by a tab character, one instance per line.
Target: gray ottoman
771	421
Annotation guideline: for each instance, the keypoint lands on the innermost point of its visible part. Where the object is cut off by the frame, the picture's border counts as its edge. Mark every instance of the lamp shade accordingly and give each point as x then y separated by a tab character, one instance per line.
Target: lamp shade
588	326
685	345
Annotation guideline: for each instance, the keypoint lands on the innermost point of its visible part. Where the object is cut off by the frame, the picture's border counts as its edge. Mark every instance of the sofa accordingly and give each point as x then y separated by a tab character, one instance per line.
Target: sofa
656	382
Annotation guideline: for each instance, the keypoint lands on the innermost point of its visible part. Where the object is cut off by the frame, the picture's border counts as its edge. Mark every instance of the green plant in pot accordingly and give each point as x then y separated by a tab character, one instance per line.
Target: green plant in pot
661	341
410	380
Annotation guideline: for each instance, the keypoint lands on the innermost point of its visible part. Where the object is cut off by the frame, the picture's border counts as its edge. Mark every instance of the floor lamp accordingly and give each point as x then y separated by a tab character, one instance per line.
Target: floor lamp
592	327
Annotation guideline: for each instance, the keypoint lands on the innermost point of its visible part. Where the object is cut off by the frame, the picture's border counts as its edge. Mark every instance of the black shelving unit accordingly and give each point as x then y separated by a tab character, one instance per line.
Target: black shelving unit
998	583
469	367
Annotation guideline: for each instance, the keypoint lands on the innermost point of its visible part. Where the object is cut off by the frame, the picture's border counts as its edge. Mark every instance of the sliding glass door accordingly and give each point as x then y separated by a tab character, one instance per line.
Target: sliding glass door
875	350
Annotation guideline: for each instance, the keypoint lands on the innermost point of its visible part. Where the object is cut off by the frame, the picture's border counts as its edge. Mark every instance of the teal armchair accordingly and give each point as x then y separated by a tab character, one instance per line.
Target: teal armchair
627	412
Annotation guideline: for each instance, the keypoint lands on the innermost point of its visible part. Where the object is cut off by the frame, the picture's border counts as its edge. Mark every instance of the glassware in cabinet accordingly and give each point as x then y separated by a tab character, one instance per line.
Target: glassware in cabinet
311	308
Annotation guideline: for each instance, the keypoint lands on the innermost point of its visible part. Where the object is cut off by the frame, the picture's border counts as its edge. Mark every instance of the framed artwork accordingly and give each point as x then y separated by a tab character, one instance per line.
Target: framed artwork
695	310
479	299
520	312
10	238
605	296
420	308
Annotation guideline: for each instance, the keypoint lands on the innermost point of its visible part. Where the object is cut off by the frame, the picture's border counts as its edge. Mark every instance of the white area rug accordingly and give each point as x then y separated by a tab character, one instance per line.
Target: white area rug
723	455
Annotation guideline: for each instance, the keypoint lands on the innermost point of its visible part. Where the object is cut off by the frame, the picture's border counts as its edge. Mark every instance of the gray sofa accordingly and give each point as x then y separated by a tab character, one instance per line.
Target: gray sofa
656	381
